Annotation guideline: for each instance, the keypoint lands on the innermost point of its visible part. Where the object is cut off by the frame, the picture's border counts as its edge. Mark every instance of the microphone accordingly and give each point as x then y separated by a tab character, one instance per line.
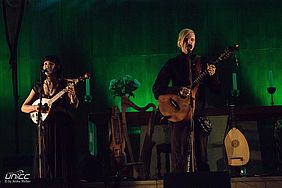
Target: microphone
189	48
44	70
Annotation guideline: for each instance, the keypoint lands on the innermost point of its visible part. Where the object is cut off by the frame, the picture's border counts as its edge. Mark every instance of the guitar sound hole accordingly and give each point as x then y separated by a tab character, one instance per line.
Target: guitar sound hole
174	104
235	143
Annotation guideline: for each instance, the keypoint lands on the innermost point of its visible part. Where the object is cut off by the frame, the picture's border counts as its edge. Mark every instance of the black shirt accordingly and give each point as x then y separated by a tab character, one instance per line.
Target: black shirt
176	71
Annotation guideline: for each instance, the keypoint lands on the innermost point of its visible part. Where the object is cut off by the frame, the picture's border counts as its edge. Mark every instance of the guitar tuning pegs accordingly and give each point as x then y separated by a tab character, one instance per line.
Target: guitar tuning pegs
234	47
87	75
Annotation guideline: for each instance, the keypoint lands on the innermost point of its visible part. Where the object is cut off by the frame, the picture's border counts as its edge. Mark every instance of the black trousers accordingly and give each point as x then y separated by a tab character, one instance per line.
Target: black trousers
181	144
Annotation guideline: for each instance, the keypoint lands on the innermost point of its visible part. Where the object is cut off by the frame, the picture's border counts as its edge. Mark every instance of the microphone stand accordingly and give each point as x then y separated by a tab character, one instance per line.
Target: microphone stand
192	132
40	129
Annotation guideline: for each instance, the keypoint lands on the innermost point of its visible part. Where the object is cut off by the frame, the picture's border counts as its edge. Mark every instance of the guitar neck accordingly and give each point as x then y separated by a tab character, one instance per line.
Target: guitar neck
199	79
232	116
62	92
204	74
57	96
225	55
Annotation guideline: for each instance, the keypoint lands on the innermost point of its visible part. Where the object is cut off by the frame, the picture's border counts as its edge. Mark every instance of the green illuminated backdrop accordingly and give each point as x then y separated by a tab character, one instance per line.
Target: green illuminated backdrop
114	38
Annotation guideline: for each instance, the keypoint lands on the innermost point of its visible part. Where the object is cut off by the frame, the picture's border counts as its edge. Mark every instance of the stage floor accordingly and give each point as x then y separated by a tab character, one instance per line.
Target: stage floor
238	182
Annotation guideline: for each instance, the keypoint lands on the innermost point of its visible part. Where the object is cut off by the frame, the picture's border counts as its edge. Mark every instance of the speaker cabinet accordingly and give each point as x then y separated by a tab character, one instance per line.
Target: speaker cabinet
197	180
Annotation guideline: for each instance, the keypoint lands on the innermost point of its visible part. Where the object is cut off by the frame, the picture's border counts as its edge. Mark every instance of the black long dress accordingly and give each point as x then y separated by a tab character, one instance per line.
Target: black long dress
57	137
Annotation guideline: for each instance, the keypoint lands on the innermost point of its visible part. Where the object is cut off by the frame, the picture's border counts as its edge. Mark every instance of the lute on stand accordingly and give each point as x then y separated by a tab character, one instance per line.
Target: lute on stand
236	145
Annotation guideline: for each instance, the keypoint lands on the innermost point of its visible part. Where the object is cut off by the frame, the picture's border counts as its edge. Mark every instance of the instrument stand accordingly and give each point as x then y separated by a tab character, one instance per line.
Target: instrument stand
191	158
232	103
234	170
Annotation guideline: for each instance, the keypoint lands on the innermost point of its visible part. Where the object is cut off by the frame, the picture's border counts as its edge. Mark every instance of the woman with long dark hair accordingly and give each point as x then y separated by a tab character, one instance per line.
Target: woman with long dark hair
55	138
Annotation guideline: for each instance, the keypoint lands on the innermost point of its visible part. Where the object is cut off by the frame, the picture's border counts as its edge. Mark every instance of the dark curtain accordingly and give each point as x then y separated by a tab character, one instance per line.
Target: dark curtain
12	14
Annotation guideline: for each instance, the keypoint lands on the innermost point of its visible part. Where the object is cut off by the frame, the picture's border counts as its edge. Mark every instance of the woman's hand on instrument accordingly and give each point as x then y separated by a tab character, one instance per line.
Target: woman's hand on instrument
211	69
71	90
72	94
44	108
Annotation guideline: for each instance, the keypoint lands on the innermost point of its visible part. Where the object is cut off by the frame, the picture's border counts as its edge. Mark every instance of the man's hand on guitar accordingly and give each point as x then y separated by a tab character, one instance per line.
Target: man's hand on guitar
184	92
211	69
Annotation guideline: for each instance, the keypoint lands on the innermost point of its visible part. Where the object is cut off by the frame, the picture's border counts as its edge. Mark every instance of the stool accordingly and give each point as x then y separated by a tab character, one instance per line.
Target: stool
163	148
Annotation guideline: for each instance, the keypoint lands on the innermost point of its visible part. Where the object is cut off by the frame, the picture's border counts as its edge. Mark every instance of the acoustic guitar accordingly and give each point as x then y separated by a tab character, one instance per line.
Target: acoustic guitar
47	103
236	145
176	108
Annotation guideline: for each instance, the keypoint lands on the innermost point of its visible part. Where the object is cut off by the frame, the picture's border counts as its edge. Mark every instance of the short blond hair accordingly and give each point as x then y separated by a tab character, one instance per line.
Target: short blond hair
182	34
